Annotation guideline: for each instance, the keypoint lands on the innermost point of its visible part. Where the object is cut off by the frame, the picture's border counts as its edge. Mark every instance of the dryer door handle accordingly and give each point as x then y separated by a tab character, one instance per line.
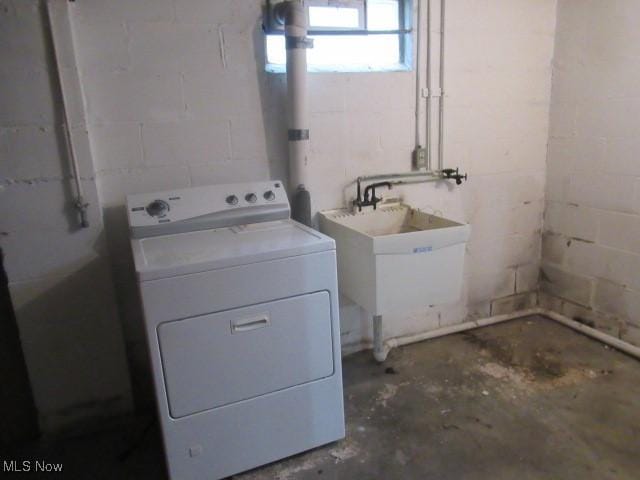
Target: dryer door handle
248	324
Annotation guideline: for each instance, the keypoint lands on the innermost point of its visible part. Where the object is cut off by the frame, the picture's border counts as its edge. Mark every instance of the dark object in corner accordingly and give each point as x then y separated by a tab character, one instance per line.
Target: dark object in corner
18	417
390	371
301	206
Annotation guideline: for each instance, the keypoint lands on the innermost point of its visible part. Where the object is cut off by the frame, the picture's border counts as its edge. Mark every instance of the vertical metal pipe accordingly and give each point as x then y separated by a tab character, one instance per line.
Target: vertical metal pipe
429	93
418	75
80	204
442	90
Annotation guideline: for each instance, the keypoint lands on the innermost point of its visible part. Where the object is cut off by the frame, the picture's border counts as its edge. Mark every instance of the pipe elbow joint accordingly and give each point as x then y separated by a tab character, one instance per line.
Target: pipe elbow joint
291	13
381	354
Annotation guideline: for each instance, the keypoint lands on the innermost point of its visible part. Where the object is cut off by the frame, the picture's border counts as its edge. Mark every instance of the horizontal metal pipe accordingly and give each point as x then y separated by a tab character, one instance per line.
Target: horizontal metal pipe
349	32
386	176
418	180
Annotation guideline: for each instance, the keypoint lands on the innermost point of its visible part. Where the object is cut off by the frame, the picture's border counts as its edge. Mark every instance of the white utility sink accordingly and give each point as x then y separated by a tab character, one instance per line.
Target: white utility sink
397	258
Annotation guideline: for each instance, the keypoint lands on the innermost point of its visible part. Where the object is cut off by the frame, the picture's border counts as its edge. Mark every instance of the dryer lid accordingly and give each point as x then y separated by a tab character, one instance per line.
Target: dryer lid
200	251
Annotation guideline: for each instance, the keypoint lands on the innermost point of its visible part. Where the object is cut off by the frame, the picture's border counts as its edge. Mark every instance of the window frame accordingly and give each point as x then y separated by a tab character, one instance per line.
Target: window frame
404	33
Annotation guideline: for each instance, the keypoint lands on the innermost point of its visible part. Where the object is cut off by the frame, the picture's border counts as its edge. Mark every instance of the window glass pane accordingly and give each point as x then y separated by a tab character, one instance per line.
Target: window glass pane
360	50
333	17
383	15
343	51
276	53
349	52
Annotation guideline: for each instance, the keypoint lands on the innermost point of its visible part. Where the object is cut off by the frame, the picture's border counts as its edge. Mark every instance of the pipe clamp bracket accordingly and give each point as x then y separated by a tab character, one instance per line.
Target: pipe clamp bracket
298	42
296	134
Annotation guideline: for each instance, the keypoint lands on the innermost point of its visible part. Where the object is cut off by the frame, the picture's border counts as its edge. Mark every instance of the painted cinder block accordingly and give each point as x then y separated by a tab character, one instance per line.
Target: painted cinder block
172	47
622	154
104	46
609	324
601	190
619	231
549	302
192	142
397	86
514	303
487	286
584	258
527	277
99	11
115	185
562	121
593	168
572	221
451	314
72	371
219	12
532	16
21	36
487	254
329	135
241	47
232	171
27	97
554	247
211	93
249	146
520	50
621	267
618	300
329	92
49	242
116	145
564	284
126	96
31	152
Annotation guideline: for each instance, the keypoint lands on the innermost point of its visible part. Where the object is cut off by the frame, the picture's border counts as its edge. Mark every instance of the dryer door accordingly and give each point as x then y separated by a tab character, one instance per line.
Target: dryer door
226	357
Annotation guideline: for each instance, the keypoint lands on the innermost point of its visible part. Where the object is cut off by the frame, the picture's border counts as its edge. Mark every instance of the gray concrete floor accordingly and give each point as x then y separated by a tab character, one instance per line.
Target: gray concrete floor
527	399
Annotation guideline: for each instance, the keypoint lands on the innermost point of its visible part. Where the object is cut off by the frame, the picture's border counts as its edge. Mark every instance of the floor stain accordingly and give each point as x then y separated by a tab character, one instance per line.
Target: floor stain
553	396
388	392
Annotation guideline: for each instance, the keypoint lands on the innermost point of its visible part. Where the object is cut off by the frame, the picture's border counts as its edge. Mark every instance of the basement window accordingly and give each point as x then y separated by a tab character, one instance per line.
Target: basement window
348	36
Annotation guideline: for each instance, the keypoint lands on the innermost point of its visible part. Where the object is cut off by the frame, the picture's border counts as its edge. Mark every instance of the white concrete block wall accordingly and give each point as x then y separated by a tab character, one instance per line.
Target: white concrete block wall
591	247
177	96
60	279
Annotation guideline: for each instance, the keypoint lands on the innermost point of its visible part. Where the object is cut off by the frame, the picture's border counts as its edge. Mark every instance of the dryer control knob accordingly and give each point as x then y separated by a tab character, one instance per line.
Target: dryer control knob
232	200
269	195
157	208
251	197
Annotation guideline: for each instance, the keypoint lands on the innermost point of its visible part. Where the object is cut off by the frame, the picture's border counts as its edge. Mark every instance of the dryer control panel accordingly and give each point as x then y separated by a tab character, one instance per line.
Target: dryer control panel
202	208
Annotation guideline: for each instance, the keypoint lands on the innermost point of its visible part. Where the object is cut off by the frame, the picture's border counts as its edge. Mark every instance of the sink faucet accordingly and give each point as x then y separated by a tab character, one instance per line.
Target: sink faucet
370	198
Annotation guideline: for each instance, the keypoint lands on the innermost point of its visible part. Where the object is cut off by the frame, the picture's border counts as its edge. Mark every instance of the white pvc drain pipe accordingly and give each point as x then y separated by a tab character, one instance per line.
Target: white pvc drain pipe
382	348
293	15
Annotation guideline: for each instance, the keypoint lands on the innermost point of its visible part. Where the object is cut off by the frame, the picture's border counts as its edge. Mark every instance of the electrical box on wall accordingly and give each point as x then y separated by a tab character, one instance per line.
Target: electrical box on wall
420	158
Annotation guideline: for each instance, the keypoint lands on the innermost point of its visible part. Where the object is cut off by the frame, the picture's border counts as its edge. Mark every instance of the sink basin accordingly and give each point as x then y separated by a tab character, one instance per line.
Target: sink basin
397	258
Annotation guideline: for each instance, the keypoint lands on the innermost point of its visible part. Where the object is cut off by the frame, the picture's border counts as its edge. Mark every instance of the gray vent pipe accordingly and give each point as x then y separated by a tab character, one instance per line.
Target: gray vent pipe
293	15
